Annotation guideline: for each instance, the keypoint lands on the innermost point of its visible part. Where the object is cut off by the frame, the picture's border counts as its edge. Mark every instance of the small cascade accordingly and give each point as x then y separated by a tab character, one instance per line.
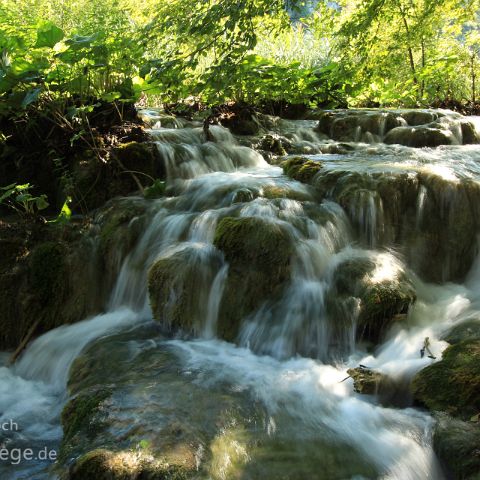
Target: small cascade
186	155
414	128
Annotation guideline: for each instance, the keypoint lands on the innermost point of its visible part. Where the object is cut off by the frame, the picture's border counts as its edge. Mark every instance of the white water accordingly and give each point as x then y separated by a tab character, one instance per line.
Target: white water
208	177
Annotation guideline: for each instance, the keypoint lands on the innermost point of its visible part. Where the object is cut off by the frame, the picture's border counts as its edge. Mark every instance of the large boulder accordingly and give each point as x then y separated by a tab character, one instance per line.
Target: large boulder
259	253
178	286
453	384
374	292
451	388
162	419
421	136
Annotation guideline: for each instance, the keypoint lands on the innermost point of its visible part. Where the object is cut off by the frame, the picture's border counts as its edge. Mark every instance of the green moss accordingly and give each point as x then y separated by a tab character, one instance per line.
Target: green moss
78	412
259	254
104	464
176	286
380	304
271	192
301	169
171	295
136	155
453	384
365	381
116	222
456	444
255	242
350	272
469	330
155	190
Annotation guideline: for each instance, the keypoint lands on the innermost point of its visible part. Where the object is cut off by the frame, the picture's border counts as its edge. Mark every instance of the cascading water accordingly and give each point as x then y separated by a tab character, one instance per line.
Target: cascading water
293	349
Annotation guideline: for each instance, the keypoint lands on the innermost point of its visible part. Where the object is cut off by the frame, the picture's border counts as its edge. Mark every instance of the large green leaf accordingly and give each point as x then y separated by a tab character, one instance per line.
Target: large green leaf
48	35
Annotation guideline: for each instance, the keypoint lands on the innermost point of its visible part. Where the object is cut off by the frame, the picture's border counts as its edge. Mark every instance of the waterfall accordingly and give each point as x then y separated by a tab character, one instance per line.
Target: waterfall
370	218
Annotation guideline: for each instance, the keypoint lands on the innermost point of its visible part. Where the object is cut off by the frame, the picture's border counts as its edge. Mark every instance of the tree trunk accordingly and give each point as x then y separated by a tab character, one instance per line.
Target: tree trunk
474	77
409	48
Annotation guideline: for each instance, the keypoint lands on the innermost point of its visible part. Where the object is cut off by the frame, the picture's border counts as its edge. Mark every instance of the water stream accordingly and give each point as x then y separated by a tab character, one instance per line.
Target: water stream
290	357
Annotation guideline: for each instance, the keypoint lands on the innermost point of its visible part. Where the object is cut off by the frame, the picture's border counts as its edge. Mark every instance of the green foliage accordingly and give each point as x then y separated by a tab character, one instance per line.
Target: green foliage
155	190
19	198
383	52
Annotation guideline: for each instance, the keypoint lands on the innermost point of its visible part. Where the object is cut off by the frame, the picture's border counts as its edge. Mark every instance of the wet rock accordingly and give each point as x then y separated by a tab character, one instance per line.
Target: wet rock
421	136
452	385
259	255
301	168
457	444
382	304
178	286
358	125
365	380
469	132
163	418
82	412
468	330
272	192
119	224
243	195
420	117
104	464
415	128
374	303
275	144
54	274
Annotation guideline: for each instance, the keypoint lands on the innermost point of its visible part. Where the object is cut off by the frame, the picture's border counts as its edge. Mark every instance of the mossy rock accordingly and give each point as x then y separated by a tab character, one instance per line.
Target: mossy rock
116	229
379	303
301	169
78	413
418	137
259	254
104	464
469	132
95	181
453	384
457	444
49	279
350	272
468	330
419	117
272	192
275	144
177	287
243	195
